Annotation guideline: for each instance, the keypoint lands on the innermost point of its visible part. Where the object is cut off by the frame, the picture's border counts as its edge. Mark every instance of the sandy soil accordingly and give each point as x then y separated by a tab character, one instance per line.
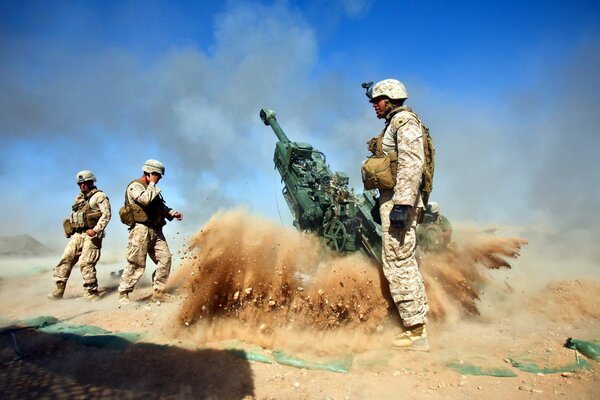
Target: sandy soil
313	307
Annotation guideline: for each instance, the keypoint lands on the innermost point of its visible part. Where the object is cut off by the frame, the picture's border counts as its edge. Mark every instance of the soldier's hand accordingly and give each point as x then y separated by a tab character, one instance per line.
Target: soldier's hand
178	215
399	216
154	177
91	232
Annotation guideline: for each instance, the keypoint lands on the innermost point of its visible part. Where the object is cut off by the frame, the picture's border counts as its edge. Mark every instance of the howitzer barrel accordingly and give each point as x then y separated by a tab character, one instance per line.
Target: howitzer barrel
268	118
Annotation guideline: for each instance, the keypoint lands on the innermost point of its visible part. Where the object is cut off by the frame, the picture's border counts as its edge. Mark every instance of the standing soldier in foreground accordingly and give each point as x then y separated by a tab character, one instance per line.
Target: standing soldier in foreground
85	226
146	213
396	169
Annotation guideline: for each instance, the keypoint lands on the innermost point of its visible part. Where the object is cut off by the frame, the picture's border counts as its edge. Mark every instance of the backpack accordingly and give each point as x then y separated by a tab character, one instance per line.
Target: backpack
428	162
428	166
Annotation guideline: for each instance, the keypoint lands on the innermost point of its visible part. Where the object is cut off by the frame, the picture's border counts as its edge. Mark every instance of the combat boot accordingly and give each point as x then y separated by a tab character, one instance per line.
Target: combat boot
124	299
91	295
161	296
58	293
412	339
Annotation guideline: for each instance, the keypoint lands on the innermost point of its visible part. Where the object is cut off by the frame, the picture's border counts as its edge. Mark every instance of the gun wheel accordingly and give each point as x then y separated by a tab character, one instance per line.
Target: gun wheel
335	235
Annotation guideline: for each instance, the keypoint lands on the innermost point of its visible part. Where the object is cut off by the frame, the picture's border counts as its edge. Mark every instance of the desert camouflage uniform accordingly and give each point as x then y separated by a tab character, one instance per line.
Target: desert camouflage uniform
145	239
84	248
399	246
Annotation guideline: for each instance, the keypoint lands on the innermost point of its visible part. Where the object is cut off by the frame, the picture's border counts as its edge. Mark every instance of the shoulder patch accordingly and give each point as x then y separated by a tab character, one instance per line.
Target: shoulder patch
399	119
132	185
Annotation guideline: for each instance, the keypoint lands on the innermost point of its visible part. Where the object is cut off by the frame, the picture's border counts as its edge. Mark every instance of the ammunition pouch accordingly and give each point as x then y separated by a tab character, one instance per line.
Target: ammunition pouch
131	214
69	230
379	172
126	215
77	219
83	216
92	217
84	219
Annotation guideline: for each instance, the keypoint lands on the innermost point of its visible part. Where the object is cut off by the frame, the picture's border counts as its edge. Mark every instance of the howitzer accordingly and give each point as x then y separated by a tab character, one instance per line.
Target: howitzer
320	200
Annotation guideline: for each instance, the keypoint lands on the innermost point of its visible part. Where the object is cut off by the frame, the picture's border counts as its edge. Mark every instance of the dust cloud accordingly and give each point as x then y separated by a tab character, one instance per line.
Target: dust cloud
567	301
456	279
246	278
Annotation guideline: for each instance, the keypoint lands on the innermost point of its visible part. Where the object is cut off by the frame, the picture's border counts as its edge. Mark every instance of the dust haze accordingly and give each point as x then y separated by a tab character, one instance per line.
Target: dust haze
526	157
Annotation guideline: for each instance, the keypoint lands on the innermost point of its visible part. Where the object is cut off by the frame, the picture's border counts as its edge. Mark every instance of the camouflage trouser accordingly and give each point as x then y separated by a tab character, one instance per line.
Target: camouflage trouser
84	249
144	240
400	265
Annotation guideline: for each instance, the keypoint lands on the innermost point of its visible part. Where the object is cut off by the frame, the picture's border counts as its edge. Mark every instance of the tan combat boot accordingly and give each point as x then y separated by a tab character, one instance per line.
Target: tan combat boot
58	293
91	295
414	339
124	299
161	296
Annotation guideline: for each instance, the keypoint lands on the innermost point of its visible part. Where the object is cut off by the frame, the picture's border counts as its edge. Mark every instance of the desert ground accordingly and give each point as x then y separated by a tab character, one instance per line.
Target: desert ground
261	312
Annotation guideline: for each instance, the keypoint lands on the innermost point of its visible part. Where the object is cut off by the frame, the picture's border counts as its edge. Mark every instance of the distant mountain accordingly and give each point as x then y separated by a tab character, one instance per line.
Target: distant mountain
22	246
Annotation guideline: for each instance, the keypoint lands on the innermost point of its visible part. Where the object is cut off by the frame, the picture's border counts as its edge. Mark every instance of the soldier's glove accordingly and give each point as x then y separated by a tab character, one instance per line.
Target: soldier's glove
399	216
375	212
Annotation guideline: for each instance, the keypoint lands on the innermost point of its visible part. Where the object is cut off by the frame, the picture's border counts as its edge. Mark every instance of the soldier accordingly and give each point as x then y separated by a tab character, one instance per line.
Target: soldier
149	213
401	143
434	233
85	226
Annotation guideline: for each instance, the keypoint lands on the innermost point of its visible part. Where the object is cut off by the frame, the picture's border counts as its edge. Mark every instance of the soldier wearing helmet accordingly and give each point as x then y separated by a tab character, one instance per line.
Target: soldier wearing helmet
434	233
399	204
85	226
150	213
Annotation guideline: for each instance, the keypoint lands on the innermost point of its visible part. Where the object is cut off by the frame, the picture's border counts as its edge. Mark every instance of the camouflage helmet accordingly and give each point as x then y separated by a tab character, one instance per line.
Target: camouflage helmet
153	166
84	176
391	88
433	207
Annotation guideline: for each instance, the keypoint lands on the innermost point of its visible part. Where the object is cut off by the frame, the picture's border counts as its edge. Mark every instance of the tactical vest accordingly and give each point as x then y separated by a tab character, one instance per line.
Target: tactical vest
152	214
383	169
83	217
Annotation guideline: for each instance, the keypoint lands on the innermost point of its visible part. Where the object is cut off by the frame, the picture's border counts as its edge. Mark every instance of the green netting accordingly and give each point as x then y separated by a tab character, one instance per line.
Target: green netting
526	366
37	322
589	349
62	327
4	322
83	334
253	353
92	335
466	368
342	365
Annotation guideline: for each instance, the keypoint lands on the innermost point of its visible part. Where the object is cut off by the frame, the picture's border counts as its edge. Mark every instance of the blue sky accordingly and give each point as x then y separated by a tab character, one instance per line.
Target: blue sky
509	89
